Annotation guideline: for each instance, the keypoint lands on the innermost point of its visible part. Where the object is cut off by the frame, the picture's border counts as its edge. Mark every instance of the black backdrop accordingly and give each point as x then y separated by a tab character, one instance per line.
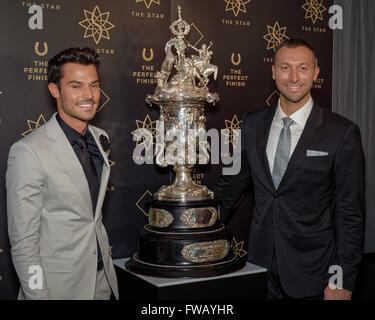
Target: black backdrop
130	38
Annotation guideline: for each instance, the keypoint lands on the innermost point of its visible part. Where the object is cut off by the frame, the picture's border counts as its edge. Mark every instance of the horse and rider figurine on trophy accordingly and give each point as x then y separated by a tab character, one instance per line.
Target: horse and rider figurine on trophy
192	74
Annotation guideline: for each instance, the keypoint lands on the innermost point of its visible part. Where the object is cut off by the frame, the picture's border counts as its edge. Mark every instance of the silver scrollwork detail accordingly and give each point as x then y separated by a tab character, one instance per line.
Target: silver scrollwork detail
199	217
160	218
206	251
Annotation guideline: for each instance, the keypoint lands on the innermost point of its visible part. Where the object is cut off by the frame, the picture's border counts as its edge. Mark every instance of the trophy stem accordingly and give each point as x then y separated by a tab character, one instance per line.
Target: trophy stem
183	188
183	176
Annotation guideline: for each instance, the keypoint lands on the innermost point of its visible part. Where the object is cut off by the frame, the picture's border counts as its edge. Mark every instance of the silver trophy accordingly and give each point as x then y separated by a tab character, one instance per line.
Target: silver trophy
181	99
184	236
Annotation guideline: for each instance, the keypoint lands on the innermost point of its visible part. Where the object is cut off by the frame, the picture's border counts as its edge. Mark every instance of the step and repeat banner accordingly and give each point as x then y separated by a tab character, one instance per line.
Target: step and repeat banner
130	37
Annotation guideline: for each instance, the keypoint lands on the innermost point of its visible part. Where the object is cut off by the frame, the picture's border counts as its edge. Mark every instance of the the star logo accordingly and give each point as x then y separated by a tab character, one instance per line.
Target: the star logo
314	10
275	36
96	24
231	135
33	125
236	6
238	248
145	132
149	3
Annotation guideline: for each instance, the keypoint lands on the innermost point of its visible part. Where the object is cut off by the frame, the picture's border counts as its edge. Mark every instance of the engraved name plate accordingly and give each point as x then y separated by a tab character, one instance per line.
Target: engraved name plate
159	218
199	217
206	251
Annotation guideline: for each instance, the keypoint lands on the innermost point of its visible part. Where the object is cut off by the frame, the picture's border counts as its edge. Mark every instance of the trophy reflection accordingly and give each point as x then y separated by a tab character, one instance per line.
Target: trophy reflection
184	236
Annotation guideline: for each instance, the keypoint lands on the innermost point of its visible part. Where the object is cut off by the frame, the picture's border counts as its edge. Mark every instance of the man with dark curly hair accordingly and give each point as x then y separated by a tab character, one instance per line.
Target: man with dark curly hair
56	182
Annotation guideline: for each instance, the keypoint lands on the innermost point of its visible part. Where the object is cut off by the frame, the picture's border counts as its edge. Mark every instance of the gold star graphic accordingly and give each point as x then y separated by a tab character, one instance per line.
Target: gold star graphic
314	10
238	248
275	36
231	135
33	125
148	5
96	24
236	6
145	132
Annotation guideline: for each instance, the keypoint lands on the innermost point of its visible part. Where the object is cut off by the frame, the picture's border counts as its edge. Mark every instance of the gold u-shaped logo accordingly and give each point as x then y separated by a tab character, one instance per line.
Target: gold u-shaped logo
37	49
236	63
147	58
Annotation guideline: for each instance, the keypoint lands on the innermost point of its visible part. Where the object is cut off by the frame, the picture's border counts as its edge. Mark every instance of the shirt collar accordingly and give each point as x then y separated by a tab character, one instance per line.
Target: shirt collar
70	133
299	117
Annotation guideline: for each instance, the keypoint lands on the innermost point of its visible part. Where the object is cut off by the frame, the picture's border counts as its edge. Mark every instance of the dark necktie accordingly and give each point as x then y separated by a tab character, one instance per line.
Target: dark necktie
89	169
282	152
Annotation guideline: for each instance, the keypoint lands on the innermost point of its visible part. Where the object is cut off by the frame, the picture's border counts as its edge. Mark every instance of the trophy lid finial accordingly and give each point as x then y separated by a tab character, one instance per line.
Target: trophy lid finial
180	27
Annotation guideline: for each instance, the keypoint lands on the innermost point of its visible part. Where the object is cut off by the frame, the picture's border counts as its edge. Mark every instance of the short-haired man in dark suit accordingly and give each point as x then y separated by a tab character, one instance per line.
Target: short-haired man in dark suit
305	166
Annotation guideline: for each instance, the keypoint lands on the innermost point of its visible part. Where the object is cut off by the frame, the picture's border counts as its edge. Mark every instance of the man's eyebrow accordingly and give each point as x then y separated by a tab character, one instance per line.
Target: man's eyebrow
288	63
74	81
79	82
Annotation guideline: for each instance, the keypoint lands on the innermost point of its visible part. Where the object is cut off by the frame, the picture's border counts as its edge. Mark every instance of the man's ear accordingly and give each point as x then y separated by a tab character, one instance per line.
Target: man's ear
273	72
54	90
316	73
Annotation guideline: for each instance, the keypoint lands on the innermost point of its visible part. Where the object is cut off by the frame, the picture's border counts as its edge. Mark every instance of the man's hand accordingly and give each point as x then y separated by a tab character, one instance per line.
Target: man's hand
334	293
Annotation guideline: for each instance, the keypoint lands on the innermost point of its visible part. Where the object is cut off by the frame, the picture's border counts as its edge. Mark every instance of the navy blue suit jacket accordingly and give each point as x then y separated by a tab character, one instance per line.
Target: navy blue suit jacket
315	218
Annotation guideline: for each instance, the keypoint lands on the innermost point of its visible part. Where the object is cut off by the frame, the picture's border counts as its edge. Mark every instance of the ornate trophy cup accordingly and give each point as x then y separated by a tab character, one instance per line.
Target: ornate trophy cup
184	236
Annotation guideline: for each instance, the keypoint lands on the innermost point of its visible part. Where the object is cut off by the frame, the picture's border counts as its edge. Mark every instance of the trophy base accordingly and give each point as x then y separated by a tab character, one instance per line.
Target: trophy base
197	271
184	240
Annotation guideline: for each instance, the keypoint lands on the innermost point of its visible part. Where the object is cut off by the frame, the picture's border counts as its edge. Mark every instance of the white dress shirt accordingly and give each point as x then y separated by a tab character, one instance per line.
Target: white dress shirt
299	117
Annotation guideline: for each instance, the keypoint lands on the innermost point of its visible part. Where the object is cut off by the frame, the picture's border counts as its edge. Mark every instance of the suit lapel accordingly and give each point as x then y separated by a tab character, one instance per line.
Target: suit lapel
105	171
67	157
262	133
314	121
